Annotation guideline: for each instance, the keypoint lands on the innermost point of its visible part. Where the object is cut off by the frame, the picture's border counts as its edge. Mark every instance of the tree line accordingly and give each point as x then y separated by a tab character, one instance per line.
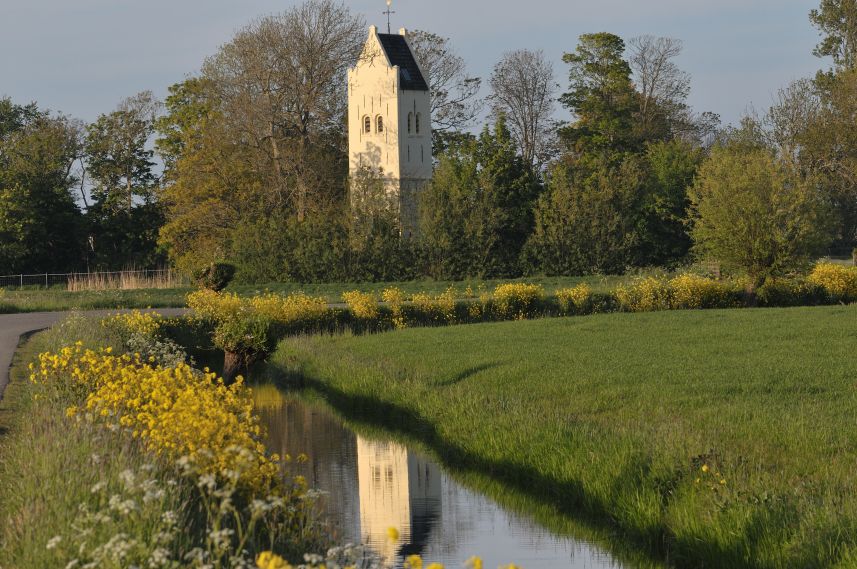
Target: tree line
253	150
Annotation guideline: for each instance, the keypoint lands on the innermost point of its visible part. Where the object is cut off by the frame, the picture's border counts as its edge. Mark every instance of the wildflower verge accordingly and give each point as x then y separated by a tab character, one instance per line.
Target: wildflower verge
131	462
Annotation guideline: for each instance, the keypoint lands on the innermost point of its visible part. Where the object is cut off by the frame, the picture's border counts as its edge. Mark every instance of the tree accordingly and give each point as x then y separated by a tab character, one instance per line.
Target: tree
586	221
601	97
454	101
119	161
829	150
260	134
124	218
836	20
523	91
671	168
477	213
755	213
40	224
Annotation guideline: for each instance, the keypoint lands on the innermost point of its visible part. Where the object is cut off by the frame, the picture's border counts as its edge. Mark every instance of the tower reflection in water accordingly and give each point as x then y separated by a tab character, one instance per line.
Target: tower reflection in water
371	486
397	489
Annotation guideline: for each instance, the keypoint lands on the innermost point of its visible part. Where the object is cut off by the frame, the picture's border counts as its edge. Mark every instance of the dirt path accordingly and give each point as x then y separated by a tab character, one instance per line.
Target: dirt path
13	326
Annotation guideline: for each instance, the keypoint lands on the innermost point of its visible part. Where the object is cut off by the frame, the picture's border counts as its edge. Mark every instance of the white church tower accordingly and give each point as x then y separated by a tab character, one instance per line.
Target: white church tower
389	121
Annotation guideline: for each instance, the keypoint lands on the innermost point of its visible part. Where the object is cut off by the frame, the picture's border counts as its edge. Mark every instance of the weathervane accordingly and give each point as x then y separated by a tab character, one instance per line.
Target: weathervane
388	12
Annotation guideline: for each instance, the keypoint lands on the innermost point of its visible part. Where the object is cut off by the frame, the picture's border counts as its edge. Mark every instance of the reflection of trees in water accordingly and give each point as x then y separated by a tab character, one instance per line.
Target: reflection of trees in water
296	428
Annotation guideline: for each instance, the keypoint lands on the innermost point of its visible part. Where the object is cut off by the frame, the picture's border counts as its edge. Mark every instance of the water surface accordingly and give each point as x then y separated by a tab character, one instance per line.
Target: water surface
372	485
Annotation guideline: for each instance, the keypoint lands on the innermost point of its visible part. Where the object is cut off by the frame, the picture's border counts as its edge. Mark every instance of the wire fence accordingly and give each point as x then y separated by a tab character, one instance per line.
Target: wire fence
101	280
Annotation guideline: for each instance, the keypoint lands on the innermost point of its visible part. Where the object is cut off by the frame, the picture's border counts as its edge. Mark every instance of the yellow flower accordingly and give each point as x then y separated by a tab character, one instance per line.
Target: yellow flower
414	562
270	560
704	468
474	563
435	566
392	534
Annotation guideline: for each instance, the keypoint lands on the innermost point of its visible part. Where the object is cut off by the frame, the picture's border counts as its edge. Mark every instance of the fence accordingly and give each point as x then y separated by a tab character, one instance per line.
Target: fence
103	280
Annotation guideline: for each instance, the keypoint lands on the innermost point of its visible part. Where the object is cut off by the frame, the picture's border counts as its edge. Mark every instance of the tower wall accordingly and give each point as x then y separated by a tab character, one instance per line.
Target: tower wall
402	150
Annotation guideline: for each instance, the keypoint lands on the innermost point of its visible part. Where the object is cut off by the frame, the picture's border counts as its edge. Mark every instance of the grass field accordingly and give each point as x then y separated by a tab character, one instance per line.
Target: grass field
709	438
39	300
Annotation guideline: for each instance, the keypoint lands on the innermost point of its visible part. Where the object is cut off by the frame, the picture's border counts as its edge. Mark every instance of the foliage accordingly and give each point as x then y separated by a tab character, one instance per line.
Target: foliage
838	281
41	228
517	300
755	213
169	468
215	276
694	291
395	300
477	212
575	300
585	222
683	291
601	97
837	21
362	305
437	309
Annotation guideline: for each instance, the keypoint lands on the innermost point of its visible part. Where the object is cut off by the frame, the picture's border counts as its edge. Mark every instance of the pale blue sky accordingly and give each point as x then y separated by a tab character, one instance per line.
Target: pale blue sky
83	56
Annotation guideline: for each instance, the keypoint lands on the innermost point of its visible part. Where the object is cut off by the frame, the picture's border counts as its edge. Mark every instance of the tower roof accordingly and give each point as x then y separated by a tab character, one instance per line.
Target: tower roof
399	53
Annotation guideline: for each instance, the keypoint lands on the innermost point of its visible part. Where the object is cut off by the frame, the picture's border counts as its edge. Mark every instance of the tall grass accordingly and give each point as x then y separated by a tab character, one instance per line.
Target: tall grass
130	279
710	438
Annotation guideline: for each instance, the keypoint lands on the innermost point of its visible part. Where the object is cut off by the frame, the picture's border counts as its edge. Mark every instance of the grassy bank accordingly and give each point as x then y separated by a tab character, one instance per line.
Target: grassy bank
712	438
107	461
53	300
50	300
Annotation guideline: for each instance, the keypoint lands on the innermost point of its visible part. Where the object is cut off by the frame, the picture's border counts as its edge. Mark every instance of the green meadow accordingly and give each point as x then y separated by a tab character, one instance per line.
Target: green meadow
722	438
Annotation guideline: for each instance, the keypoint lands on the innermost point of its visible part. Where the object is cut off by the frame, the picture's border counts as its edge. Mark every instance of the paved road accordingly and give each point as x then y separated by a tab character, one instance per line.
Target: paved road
13	326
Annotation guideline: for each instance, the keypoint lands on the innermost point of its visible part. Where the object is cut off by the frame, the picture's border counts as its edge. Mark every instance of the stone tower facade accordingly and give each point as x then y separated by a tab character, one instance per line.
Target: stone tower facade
389	122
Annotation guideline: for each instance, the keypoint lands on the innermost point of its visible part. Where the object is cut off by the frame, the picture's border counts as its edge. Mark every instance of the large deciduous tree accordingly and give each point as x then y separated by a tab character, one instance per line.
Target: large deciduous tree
260	134
524	90
754	212
836	20
125	216
454	92
40	223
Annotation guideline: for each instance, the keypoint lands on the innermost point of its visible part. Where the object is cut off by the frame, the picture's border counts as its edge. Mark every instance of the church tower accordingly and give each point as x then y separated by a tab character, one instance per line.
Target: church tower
389	122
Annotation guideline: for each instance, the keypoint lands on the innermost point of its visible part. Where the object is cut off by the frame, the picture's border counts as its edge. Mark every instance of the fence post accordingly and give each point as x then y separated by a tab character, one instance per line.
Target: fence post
22	281
46	280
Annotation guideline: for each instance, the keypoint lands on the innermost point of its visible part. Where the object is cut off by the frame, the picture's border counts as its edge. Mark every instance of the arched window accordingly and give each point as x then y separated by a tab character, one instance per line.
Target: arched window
367	125
419	117
380	122
410	123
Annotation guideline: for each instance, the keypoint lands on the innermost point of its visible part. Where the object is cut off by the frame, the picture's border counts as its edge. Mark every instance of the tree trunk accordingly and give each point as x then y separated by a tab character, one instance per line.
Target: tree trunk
233	365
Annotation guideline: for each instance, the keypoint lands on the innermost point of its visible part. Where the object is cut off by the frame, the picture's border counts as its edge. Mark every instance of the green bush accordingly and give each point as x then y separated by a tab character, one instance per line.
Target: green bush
215	277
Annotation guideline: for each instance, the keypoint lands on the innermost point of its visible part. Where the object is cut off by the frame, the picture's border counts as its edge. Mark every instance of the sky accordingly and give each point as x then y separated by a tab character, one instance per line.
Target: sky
81	57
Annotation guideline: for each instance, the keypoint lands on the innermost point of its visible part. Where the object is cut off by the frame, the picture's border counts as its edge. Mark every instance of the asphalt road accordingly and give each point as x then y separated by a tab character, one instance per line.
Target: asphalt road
13	326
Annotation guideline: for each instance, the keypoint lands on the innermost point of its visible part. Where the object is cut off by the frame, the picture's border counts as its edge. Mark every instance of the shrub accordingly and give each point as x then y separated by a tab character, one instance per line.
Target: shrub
517	300
644	295
215	276
440	309
362	305
212	306
140	332
296	309
575	300
839	281
694	291
395	300
791	292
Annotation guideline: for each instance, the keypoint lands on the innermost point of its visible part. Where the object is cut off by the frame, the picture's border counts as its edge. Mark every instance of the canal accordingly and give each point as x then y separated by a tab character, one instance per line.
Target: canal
370	485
